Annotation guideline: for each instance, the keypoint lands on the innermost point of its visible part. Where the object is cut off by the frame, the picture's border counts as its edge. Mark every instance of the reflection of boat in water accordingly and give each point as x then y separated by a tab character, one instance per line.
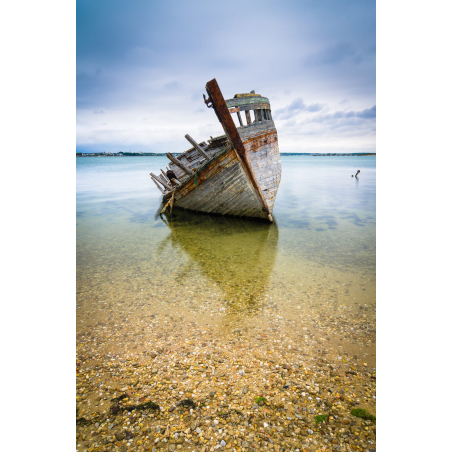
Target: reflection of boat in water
234	174
236	254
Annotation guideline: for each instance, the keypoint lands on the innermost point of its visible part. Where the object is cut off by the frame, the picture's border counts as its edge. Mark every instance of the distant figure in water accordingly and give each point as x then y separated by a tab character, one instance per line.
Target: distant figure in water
356	175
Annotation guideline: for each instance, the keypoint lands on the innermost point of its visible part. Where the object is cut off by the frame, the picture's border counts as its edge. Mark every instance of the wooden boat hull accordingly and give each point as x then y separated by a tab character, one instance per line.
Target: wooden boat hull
222	187
262	151
235	174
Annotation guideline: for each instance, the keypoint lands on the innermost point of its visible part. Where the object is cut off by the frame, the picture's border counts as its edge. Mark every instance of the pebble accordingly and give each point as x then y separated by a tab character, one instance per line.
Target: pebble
218	376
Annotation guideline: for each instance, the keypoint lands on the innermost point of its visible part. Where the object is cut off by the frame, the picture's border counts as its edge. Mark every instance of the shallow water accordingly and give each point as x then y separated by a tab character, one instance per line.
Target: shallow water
317	257
214	311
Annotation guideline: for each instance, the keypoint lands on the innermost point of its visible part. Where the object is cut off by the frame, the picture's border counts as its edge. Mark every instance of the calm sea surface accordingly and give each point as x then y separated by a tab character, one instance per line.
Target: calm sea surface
320	248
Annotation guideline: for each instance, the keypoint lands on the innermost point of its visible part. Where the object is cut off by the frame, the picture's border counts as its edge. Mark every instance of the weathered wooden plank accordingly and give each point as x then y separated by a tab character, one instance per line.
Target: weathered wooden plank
263	153
179	164
172	202
157	178
240	119
253	107
216	194
255	129
208	179
165	176
207	169
252	94
247	101
178	171
158	186
197	147
234	110
248	116
164	182
224	181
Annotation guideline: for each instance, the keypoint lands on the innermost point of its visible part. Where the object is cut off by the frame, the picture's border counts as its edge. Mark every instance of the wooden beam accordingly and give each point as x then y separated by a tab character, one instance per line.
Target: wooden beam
240	119
165	182
225	118
165	176
172	202
158	186
159	180
179	164
248	116
258	114
165	206
156	179
197	147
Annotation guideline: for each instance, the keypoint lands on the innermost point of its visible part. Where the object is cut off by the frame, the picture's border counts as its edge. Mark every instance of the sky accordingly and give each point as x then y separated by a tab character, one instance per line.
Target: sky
142	67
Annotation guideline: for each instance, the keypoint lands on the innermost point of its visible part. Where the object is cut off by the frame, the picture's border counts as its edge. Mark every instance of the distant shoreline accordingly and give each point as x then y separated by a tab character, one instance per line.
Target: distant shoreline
150	154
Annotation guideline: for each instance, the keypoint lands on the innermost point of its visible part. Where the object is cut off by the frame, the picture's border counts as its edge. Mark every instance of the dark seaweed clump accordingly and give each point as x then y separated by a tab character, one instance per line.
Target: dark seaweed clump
363	414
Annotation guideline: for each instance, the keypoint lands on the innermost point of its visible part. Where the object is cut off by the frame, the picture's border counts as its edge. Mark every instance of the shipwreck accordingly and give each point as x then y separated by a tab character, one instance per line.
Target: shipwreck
237	173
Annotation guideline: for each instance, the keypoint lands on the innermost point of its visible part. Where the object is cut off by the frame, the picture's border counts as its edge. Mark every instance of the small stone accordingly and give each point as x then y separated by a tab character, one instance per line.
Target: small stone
310	432
120	436
223	443
212	393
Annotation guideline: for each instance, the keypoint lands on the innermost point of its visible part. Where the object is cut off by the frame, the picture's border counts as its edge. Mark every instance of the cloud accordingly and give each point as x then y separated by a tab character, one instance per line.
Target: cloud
173	85
368	113
331	55
142	59
294	108
339	53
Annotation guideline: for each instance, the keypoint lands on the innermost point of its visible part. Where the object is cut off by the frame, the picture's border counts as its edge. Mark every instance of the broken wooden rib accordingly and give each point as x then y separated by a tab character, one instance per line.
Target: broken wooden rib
234	174
196	145
158	186
179	164
158	179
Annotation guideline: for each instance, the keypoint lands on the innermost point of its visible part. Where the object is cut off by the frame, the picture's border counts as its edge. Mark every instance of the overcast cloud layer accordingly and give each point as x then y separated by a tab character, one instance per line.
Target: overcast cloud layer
142	67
